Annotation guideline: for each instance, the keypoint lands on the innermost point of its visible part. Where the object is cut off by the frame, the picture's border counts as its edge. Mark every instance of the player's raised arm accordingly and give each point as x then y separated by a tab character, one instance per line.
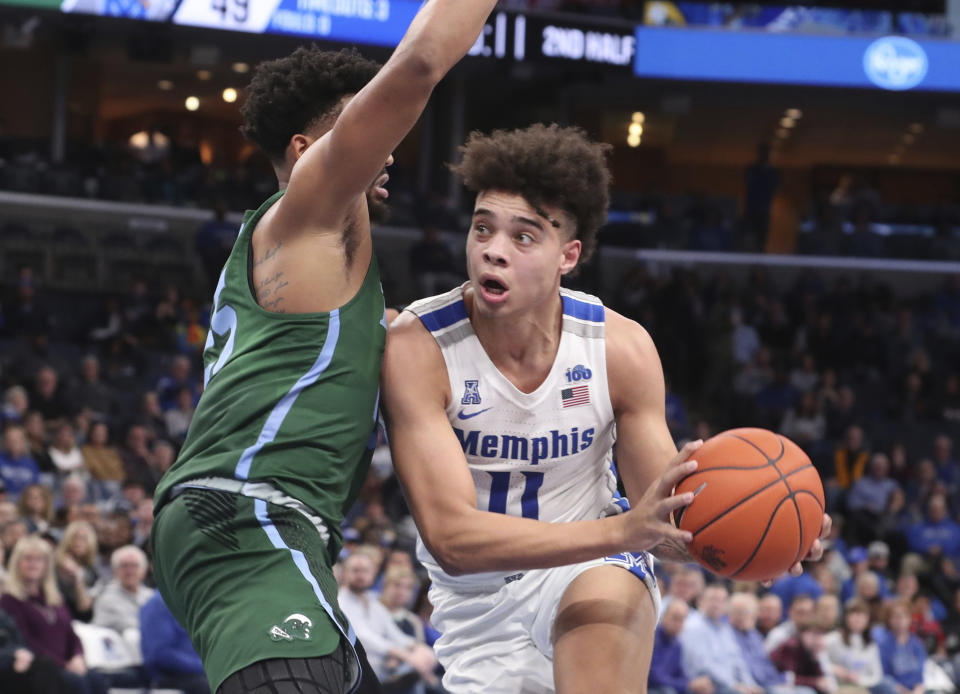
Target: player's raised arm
341	165
431	466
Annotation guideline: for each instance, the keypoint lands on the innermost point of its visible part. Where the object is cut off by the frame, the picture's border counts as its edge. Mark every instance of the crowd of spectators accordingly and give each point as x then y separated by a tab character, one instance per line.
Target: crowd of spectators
866	381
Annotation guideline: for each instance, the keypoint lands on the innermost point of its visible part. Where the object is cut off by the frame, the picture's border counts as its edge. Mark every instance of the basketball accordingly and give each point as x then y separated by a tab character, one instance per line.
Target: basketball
758	505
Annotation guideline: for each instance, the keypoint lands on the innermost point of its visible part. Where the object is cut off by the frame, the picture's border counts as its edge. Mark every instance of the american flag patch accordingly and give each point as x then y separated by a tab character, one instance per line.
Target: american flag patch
577	395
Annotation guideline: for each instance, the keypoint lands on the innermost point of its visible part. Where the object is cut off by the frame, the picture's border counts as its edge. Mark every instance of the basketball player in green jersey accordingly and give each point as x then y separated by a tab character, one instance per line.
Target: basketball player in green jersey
248	518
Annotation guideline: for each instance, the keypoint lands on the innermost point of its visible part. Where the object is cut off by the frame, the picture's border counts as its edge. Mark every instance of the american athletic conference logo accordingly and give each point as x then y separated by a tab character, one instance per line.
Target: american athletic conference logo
896	63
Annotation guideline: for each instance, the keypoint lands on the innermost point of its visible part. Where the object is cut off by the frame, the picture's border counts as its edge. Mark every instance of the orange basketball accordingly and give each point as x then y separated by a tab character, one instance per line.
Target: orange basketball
758	505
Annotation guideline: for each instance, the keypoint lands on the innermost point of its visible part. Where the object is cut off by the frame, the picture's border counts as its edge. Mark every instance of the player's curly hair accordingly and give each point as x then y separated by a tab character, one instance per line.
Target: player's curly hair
546	164
287	95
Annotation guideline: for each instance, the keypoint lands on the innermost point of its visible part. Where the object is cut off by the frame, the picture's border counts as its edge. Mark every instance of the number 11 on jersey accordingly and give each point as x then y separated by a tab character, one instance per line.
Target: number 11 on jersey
500	485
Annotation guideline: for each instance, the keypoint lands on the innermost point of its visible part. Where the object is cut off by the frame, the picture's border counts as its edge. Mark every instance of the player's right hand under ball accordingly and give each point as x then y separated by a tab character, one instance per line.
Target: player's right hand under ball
650	523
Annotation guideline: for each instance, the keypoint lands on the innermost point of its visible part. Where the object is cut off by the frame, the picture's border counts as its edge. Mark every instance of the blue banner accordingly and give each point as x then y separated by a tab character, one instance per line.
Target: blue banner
891	62
382	24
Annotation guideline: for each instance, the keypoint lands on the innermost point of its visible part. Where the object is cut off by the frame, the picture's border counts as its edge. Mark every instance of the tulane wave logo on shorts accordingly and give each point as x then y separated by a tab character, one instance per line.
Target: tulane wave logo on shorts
295	627
896	63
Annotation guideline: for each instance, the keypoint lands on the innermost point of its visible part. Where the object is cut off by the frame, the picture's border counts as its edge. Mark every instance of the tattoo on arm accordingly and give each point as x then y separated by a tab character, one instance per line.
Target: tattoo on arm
672	550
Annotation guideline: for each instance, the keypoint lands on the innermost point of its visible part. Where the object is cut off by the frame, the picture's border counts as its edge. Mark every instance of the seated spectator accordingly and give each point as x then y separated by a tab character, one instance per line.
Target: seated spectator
805	378
951	627
117	607
136	458
799	614
47	396
103	461
162	456
802	654
901	653
11	533
179	416
938	535
76	575
17	467
722	662
805	423
825	578
8	512
788	587
90	392
686	584
849	459
853	655
177	378
142	517
826	611
35	506
743	619
769	613
948	466
168	656
945	582
667	674
775	399
744	337
878	559
21	672
35	429
32	599
399	584
73	494
64	451
925	625
875	586
151	416
385	644
894	524
15	404
868	498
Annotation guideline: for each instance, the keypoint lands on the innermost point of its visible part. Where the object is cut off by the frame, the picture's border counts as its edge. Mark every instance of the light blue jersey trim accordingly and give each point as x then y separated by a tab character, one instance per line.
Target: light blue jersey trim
260	509
280	410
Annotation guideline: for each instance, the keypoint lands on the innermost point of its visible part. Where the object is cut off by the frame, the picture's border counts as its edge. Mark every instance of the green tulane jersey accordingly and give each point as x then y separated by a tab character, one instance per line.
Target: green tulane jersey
289	399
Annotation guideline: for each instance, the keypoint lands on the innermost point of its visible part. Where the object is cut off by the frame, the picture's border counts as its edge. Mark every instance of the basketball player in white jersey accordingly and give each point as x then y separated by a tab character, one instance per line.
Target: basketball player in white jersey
504	398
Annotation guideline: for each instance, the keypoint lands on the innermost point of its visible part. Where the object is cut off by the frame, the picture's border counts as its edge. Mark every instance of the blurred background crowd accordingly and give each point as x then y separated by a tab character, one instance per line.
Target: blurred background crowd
864	379
790	246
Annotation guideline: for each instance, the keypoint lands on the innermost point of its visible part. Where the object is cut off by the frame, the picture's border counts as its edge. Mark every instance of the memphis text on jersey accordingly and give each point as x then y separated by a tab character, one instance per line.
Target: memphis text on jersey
552	444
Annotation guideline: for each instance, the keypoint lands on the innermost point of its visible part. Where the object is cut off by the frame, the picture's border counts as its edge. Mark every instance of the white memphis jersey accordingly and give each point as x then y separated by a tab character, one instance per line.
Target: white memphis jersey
545	455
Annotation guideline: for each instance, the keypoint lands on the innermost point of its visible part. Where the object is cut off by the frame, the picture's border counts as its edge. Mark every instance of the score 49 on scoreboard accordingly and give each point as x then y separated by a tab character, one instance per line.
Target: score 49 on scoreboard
507	36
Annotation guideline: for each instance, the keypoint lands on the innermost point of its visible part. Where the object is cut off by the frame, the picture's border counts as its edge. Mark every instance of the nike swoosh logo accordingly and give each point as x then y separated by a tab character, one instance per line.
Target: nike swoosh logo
462	415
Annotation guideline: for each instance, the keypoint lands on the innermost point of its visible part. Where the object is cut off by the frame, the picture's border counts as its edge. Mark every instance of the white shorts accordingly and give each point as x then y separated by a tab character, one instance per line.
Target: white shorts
499	642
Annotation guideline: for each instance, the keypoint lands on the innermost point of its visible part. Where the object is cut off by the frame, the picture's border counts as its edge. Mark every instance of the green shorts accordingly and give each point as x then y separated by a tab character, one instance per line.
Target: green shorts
248	580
